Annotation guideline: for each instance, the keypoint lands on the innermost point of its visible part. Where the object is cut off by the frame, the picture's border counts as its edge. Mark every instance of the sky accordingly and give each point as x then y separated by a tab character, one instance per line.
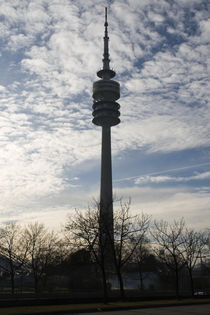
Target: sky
50	51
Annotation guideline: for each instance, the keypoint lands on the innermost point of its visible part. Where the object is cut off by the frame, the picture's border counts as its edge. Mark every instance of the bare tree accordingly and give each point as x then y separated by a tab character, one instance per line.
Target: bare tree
83	231
129	232
194	244
207	251
169	246
14	247
140	256
42	251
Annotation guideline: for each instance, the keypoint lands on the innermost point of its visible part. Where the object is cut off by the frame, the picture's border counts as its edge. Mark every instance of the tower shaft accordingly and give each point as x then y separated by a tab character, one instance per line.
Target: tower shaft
106	198
106	114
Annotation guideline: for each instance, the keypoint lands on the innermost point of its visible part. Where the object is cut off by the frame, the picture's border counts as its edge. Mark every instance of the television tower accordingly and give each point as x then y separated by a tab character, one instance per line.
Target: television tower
106	114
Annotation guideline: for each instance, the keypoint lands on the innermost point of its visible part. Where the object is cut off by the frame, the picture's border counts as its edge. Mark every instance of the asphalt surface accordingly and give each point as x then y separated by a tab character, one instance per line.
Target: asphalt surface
203	309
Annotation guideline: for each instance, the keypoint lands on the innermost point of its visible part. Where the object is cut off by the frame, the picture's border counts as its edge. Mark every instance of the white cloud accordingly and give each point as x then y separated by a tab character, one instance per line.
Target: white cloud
52	50
205	29
162	179
170	203
2	88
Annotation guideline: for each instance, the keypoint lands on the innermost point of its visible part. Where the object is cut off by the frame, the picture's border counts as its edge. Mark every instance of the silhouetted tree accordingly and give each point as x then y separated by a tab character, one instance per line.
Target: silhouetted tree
193	247
15	248
140	257
169	245
129	233
83	229
42	252
82	232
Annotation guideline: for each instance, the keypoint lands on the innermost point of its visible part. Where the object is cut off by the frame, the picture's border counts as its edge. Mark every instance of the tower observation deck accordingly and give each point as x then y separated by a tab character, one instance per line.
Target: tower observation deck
106	114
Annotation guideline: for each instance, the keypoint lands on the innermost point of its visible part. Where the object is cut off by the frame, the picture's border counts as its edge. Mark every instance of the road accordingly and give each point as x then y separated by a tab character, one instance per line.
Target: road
203	309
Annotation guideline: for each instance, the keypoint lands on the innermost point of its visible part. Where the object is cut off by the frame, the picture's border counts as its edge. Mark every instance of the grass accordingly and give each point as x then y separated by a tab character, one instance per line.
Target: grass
50	309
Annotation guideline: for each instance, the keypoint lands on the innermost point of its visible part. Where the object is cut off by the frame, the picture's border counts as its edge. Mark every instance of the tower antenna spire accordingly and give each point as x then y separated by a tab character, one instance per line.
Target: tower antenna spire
106	24
106	59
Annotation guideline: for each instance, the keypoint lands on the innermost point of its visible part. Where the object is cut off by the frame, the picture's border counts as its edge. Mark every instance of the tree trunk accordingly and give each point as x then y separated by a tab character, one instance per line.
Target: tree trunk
36	284
12	276
104	284
191	281
141	277
177	282
120	279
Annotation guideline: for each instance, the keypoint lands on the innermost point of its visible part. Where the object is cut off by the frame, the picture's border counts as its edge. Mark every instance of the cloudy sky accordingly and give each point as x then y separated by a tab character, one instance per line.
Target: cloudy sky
49	148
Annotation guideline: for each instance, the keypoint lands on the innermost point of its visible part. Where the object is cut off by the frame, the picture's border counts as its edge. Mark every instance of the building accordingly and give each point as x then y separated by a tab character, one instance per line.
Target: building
106	114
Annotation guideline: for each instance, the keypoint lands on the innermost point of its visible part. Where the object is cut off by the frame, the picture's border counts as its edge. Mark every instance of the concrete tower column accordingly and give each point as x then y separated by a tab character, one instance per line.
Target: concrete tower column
106	114
106	198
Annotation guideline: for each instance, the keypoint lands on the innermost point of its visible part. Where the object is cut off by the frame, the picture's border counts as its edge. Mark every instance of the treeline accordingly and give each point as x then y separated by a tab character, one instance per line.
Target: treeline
85	257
